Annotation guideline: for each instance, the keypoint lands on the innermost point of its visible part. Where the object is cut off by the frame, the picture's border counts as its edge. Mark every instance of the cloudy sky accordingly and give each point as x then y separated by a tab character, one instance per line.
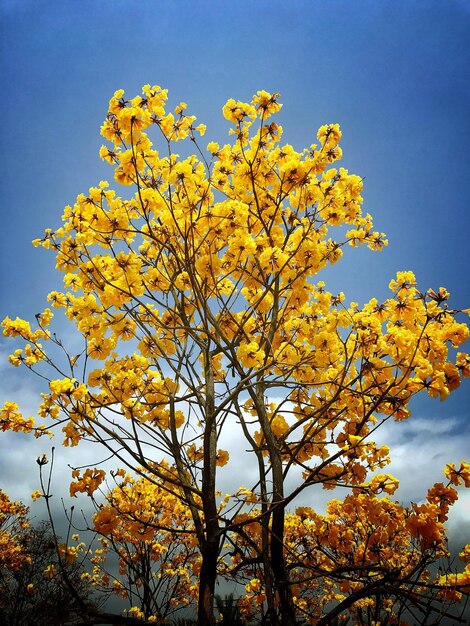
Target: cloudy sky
394	74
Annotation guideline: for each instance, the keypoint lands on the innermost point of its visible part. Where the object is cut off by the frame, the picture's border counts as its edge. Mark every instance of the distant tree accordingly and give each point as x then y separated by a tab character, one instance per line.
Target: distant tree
200	302
228	609
13	524
43	590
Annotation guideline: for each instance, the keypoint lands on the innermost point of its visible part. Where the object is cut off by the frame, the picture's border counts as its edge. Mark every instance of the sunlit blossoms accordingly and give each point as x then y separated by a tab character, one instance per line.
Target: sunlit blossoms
198	295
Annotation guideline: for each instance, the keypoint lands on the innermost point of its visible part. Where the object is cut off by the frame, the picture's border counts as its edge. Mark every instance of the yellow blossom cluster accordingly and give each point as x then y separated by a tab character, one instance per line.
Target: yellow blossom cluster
88	482
13	520
11	419
362	542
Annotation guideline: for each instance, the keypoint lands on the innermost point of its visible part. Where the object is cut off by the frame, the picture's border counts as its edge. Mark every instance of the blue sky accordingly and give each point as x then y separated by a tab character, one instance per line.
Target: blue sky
394	74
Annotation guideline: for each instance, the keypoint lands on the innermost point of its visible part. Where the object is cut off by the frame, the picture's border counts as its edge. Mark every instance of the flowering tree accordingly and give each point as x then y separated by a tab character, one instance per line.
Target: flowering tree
13	522
32	590
198	299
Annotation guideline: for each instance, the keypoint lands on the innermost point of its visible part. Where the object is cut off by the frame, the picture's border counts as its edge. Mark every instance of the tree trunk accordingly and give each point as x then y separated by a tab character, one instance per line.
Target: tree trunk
281	582
207	579
210	547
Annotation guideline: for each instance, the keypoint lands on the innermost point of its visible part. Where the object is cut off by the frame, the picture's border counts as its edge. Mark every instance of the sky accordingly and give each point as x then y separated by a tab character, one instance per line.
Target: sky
393	73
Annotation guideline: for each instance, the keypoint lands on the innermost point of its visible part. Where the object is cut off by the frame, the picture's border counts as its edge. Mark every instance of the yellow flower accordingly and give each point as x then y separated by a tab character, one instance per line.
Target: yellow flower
267	103
222	457
253	586
250	354
279	425
50	571
106	520
134	611
329	135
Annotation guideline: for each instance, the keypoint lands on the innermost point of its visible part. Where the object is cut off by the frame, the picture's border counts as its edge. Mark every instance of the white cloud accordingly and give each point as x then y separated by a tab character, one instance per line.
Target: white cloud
419	450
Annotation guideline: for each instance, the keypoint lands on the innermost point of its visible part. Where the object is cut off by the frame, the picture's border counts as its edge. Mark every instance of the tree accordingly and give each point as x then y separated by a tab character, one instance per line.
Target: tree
13	522
208	273
32	590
